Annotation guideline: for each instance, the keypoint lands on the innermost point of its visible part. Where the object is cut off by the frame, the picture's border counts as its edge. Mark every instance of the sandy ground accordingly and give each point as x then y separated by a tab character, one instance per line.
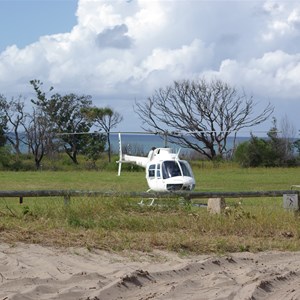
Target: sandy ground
36	272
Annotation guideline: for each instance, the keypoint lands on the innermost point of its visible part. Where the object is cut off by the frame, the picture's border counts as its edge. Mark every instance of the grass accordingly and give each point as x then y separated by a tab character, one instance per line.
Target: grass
74	180
254	224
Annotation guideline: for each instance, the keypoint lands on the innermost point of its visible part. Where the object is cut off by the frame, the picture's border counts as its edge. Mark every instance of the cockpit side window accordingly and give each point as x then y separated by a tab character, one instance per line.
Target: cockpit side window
151	171
170	169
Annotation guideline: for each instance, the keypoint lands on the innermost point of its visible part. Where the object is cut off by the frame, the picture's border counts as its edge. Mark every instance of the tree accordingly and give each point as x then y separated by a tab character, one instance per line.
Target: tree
281	142
5	157
15	114
200	115
105	119
2	133
288	134
254	153
65	116
3	121
296	145
38	135
274	151
94	146
65	113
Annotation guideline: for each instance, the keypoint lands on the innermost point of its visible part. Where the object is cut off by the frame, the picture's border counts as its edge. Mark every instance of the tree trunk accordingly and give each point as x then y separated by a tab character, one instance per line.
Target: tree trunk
109	147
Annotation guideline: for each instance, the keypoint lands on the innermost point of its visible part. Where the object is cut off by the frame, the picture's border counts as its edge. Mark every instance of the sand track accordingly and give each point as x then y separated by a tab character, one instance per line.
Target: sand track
36	272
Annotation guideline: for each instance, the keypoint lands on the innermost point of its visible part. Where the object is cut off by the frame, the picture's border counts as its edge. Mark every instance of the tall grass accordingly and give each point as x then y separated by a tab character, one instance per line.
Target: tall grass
118	224
254	224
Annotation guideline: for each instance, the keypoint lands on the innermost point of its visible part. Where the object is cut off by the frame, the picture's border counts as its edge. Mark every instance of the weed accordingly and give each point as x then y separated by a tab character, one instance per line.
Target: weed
25	210
76	221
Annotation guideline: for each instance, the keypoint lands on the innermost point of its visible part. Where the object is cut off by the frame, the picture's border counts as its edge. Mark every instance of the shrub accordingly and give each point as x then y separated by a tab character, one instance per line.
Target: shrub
5	157
262	152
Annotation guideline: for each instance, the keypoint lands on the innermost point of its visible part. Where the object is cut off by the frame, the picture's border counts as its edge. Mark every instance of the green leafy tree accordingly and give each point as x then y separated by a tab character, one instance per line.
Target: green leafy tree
94	147
2	134
296	145
104	119
269	152
65	117
5	157
254	153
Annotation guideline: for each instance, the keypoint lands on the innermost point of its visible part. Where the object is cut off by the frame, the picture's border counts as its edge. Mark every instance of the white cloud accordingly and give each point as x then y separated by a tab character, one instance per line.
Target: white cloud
283	20
273	7
174	64
149	19
273	75
97	15
294	19
122	50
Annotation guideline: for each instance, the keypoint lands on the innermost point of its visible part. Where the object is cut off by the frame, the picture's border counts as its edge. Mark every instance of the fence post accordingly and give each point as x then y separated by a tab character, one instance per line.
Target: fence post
290	201
67	199
216	205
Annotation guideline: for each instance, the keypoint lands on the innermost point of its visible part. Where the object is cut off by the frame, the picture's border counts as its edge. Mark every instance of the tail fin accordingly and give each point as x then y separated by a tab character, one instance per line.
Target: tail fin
138	160
120	155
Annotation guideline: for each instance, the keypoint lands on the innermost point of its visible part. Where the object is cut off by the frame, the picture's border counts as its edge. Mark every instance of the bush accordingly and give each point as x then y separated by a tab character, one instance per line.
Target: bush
5	157
262	152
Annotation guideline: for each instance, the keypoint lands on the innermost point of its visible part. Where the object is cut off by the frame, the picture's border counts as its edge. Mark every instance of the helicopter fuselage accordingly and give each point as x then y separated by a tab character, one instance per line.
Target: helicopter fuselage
164	170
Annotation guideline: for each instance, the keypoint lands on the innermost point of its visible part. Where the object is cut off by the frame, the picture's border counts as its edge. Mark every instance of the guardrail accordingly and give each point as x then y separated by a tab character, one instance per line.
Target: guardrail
184	194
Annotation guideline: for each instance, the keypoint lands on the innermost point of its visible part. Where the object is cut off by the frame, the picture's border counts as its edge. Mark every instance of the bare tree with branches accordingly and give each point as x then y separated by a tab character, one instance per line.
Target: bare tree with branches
3	121
200	115
15	115
39	136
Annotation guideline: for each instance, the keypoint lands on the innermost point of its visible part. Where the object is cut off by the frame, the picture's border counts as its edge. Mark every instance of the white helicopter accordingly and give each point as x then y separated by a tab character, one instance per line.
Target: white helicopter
165	171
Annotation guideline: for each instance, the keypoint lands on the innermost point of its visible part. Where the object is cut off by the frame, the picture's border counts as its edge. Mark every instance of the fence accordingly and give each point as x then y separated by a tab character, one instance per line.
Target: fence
67	194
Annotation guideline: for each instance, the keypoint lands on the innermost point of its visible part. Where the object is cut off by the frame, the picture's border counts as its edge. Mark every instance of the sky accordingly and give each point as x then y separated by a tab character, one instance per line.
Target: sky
121	51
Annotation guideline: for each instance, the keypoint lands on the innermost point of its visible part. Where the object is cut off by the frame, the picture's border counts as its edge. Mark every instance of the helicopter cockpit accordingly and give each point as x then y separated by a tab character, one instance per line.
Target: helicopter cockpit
169	169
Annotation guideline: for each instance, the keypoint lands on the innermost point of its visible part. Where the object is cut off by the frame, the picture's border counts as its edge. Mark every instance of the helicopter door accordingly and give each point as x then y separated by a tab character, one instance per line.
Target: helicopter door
154	177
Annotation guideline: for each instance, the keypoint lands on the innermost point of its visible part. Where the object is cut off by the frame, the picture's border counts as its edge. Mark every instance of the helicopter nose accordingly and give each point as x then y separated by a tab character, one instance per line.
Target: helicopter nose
186	184
189	185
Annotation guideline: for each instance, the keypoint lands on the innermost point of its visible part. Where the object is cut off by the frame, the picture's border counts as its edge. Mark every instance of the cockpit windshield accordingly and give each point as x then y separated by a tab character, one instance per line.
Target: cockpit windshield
171	168
185	168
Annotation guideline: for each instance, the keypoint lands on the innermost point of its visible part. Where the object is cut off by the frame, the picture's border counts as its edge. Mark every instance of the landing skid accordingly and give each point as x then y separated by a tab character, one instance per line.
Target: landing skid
181	201
151	200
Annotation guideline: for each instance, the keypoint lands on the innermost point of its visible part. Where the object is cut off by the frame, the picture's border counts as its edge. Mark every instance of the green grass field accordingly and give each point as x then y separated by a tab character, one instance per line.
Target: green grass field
250	224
